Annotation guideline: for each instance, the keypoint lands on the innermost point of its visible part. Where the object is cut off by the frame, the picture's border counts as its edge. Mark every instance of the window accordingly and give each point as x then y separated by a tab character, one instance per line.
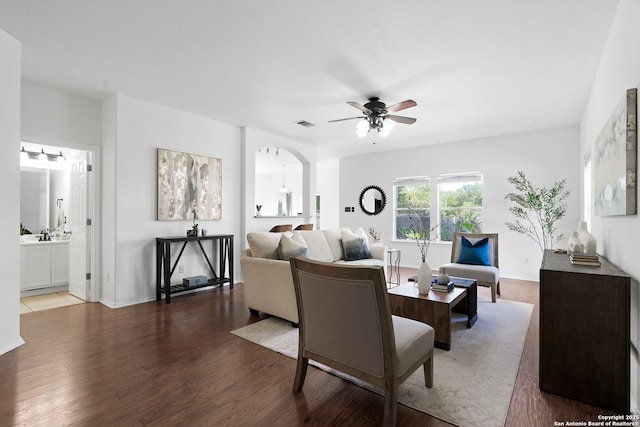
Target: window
460	204
412	204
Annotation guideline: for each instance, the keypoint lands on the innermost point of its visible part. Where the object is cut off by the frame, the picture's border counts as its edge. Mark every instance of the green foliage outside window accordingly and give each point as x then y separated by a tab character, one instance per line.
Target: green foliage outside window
460	210
413	210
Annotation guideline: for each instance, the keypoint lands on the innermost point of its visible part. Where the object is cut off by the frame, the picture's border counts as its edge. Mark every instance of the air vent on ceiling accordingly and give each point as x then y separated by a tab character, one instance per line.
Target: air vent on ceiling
305	123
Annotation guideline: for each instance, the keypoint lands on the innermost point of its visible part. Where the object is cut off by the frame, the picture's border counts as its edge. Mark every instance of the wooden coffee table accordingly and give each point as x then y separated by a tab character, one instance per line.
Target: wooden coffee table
433	309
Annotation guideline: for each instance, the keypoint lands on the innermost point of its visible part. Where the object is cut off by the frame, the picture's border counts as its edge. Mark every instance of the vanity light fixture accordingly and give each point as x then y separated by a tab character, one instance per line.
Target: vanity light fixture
42	156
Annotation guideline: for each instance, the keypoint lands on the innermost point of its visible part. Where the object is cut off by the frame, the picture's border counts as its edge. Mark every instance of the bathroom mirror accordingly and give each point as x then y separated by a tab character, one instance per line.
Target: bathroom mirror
372	200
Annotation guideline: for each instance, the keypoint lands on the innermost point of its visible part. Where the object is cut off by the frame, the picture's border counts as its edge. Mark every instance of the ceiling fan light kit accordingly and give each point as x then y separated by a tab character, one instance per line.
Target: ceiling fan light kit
376	116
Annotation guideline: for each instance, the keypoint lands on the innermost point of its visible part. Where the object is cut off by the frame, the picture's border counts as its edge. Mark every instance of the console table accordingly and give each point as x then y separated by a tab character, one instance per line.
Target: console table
221	247
585	332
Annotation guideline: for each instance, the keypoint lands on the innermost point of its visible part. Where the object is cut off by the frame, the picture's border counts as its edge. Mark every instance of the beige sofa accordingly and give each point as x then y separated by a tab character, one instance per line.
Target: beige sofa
267	276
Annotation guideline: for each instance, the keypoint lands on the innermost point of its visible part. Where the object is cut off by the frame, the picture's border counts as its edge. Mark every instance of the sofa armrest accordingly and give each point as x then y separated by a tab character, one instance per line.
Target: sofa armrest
268	285
379	252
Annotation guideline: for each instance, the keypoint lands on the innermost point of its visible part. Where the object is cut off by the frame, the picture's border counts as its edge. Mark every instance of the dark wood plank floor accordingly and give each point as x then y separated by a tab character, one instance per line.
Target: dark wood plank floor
154	365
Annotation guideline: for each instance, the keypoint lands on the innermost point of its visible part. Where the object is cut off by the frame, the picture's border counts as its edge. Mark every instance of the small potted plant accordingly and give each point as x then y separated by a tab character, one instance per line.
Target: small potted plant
376	235
258	209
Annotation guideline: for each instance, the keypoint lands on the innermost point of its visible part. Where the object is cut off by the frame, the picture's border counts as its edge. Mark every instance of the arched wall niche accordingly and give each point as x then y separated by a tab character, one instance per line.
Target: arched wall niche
254	139
279	184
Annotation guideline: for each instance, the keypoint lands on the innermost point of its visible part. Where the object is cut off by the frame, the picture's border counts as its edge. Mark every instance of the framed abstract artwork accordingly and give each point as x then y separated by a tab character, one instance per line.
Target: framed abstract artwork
189	186
615	157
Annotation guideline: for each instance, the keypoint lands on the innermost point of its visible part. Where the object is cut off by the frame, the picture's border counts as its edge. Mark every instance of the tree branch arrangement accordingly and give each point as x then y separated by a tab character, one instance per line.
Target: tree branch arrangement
537	209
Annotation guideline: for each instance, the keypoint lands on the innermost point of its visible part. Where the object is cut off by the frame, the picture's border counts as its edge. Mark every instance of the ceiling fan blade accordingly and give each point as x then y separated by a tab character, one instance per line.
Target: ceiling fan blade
402	105
349	118
401	119
359	107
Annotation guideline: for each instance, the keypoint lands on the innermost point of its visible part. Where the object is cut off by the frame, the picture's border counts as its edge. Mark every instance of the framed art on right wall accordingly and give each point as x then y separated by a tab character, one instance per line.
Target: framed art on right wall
615	161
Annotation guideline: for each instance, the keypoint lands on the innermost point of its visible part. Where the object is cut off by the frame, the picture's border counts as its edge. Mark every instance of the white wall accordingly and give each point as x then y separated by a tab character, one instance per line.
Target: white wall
10	52
328	188
543	156
52	115
618	235
141	128
109	200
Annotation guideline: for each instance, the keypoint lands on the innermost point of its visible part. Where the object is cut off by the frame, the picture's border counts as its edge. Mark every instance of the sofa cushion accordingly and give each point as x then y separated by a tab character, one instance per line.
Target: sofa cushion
474	253
334	238
319	249
289	248
355	245
481	273
369	262
264	244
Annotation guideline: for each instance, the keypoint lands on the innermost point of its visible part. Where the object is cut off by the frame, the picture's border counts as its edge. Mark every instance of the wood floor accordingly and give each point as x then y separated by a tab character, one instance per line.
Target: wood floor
155	365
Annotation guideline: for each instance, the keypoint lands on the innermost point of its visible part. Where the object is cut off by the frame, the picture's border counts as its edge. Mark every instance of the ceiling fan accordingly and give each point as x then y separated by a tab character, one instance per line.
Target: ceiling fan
376	114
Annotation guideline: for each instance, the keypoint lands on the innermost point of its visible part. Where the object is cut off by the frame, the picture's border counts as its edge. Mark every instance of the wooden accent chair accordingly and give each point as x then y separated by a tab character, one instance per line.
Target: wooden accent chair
485	275
346	324
281	228
304	227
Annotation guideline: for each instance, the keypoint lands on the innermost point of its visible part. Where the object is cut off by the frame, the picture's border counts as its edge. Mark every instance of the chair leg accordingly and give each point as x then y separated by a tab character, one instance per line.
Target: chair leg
428	370
301	373
493	292
390	402
498	286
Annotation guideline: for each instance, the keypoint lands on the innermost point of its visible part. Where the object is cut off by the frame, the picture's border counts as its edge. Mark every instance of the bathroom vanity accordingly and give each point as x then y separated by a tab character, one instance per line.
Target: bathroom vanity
44	264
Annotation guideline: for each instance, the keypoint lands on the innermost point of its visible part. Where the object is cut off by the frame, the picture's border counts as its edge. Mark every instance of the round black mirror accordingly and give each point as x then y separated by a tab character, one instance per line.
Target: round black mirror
372	200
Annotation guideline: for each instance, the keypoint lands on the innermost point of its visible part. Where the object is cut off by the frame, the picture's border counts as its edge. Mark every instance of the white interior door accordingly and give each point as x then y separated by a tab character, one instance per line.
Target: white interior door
77	222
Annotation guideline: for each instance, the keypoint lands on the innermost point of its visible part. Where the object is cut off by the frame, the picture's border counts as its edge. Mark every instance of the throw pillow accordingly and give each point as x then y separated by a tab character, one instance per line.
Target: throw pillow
263	244
355	246
474	253
289	248
319	249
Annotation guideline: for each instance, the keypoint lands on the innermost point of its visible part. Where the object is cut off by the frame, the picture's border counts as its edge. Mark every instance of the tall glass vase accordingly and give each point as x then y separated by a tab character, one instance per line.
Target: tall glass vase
424	278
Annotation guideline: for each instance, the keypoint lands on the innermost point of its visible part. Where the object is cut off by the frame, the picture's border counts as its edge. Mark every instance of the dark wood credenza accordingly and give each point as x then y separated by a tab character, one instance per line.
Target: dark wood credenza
220	248
585	332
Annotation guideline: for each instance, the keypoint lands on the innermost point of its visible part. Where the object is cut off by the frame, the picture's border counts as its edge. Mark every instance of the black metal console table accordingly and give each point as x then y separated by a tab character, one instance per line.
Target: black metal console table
221	246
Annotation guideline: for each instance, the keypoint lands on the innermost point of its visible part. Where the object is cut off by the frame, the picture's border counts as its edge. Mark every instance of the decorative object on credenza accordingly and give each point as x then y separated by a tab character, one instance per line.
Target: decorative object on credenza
184	178
591	259
194	212
258	210
574	244
204	232
537	209
615	160
588	240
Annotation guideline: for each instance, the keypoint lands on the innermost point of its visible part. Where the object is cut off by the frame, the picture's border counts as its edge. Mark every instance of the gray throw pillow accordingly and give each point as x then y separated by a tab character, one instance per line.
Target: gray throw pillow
355	246
289	248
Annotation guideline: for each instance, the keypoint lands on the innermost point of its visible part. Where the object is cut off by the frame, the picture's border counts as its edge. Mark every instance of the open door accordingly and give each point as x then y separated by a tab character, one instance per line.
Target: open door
79	256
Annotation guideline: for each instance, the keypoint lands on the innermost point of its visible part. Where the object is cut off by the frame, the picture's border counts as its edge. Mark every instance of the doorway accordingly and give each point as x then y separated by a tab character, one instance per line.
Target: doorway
59	222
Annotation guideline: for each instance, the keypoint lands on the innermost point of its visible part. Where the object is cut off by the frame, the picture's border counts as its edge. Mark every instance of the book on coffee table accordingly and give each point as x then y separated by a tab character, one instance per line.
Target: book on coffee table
442	288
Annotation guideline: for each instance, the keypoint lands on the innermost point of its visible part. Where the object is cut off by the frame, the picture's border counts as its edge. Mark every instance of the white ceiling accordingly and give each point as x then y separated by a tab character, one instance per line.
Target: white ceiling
476	68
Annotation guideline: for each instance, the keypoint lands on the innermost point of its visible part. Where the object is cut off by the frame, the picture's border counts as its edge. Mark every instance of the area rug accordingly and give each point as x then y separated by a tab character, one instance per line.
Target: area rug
473	382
